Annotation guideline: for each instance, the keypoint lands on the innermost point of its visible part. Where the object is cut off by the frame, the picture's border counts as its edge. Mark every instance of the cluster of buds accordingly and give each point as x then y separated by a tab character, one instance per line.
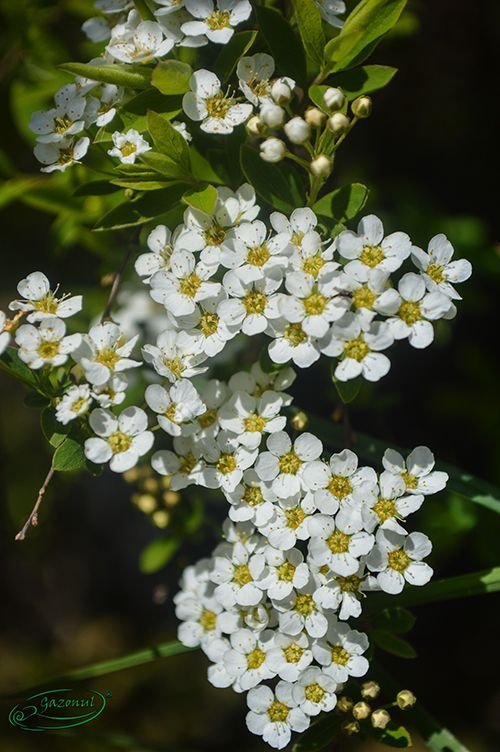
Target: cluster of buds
362	711
153	495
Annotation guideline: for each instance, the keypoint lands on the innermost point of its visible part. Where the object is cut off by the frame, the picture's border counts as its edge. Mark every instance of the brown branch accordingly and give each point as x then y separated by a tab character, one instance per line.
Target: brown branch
33	518
115	286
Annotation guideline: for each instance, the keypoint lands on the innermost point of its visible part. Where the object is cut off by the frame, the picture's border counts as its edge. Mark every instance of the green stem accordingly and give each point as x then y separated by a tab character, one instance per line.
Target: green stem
144	11
298	160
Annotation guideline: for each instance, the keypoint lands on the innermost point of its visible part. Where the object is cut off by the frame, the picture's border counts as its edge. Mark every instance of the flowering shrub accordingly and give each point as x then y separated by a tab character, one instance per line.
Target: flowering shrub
218	123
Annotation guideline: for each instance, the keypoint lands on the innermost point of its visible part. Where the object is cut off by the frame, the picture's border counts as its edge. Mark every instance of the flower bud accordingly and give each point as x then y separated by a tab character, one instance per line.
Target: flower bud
254	126
272	150
344	704
145	502
380	718
281	91
297	130
161	518
171	498
361	711
315	117
334	98
299	421
405	699
338	123
272	115
350	728
362	107
370	689
321	167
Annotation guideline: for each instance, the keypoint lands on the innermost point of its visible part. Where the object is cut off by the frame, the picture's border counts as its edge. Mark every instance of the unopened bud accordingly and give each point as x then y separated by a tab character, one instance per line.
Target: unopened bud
254	126
380	718
272	115
370	689
297	130
361	711
131	475
334	98
272	150
299	421
150	485
338	123
171	498
281	92
315	117
145	502
161	518
405	699
321	167
344	704
362	107
350	728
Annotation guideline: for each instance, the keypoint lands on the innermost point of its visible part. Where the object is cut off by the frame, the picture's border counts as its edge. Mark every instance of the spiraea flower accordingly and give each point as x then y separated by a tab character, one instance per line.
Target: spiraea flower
215	20
206	102
104	351
40	302
60	155
417	471
75	402
128	146
47	344
439	271
274	715
119	441
368	248
397	558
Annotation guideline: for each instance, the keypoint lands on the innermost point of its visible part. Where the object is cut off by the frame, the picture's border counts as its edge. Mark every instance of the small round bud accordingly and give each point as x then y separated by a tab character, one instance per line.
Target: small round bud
254	126
362	107
131	475
321	167
370	689
380	718
350	728
171	498
281	92
272	115
297	130
405	699
361	711
334	98
299	421
338	124
161	518
150	485
315	117
145	502
272	150
344	704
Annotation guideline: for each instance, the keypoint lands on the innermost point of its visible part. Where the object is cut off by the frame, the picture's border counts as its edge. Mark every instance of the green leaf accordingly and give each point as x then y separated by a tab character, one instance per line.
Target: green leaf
163	165
282	43
133	213
157	554
395	619
204	200
172	77
319	734
129	76
363	30
344	203
364	80
392	736
95	188
35	400
228	57
152	99
274	183
54	432
143	185
393	644
347	390
168	141
11	363
69	456
203	169
311	30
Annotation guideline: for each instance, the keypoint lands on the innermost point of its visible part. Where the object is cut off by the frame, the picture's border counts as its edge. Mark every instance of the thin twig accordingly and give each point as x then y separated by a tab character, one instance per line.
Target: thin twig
33	518
115	286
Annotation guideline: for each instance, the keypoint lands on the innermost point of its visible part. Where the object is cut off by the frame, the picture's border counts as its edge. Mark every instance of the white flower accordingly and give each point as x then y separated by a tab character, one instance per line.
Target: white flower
340	482
162	242
299	611
184	285
291	342
370	250
358	348
168	6
437	268
272	150
4	334
178	406
417	471
200	617
284	463
213	394
254	75
251	500
227	461
101	109
97	29
341	653
65	120
41	302
365	296
287	570
121	441
47	344
339	593
251	303
290	655
257	382
412	309
128	146
103	352
61	155
248	658
297	130
397	558
182	129
289	523
215	20
138	41
112	392
208	330
338	546
249	418
314	691
275	715
255	254
273	116
238	577
313	304
173	357
330	11
390	504
302	236
207	102
75	402
184	465
282	89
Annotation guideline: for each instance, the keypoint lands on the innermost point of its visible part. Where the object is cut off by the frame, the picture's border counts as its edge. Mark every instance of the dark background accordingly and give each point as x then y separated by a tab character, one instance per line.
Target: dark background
72	593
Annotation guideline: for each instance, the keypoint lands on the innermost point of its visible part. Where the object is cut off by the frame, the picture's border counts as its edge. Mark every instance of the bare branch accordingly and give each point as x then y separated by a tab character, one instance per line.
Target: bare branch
33	518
